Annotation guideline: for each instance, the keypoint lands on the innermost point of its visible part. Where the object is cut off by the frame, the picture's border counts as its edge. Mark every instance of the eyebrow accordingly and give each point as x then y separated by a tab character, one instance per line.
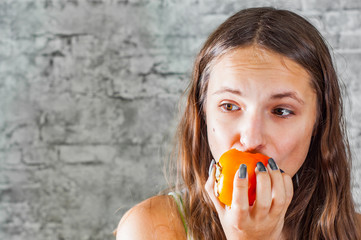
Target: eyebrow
292	95
228	90
289	94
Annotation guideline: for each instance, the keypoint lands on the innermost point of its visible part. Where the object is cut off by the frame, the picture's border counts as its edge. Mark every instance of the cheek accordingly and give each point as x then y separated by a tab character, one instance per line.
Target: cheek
213	134
292	150
218	138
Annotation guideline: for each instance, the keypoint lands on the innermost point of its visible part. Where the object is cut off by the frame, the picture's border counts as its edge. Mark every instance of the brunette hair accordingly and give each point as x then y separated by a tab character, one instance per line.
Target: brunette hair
322	206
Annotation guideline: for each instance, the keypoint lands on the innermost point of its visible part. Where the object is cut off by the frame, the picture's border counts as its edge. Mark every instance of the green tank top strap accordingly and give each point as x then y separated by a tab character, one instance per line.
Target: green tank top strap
180	205
178	199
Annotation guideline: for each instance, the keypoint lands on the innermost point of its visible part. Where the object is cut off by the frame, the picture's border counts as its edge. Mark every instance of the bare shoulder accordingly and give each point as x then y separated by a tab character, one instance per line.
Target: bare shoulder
154	218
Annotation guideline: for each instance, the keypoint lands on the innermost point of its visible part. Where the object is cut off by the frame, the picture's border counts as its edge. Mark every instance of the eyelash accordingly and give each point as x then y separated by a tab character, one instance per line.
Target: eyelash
277	111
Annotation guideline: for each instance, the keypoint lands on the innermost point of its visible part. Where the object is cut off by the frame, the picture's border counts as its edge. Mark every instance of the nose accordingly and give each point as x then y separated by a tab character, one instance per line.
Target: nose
252	135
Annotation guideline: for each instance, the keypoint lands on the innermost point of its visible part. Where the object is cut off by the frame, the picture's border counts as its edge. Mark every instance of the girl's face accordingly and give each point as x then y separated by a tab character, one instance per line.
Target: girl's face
260	101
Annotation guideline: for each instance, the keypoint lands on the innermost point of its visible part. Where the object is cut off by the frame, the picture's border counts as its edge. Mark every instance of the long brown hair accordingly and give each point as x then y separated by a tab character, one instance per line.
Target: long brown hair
322	206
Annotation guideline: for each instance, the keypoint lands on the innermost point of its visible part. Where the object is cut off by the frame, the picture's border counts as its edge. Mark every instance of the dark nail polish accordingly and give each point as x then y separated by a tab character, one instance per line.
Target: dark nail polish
242	173
261	167
211	167
282	170
272	164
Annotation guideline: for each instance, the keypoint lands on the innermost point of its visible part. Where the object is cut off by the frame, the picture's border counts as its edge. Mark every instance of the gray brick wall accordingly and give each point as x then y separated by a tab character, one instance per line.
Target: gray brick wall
89	93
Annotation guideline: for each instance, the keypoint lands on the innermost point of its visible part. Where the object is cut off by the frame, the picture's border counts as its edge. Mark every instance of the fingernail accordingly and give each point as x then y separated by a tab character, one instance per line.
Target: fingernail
282	170
261	167
242	173
272	164
211	167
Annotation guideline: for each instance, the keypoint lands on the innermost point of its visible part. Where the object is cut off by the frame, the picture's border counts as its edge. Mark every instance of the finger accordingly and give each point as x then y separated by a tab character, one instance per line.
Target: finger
288	192
278	188
240	204
209	187
263	192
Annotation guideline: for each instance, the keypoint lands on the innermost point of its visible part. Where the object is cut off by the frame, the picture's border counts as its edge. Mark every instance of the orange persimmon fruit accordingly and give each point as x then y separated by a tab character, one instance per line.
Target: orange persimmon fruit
227	167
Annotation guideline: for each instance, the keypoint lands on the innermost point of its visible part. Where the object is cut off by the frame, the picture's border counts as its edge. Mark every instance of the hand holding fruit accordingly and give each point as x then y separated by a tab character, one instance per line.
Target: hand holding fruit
255	211
227	167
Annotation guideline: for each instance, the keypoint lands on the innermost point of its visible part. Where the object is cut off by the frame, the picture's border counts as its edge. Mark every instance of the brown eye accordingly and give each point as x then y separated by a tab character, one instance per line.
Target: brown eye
229	107
282	112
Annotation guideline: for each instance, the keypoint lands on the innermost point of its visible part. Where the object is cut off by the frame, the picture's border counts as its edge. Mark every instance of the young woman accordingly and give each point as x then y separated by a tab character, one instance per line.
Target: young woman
263	82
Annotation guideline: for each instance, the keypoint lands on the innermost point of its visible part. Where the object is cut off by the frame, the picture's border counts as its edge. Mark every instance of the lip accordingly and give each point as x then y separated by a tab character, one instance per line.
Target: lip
253	152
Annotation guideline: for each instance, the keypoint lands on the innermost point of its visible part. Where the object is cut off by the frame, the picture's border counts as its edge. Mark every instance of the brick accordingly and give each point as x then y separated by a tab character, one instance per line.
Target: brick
88	120
351	4
322	5
17	176
4	179
34	156
18	194
18	134
350	41
54	134
183	46
212	22
10	158
86	154
342	21
7	49
230	7
147	120
21	222
348	65
15	107
149	85
138	164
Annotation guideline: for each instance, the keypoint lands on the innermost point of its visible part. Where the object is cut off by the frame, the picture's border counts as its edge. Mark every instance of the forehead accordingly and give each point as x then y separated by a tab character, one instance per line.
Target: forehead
256	63
259	58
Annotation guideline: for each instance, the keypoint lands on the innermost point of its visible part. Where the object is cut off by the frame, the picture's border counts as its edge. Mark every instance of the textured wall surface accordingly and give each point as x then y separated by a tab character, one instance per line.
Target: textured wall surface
89	98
